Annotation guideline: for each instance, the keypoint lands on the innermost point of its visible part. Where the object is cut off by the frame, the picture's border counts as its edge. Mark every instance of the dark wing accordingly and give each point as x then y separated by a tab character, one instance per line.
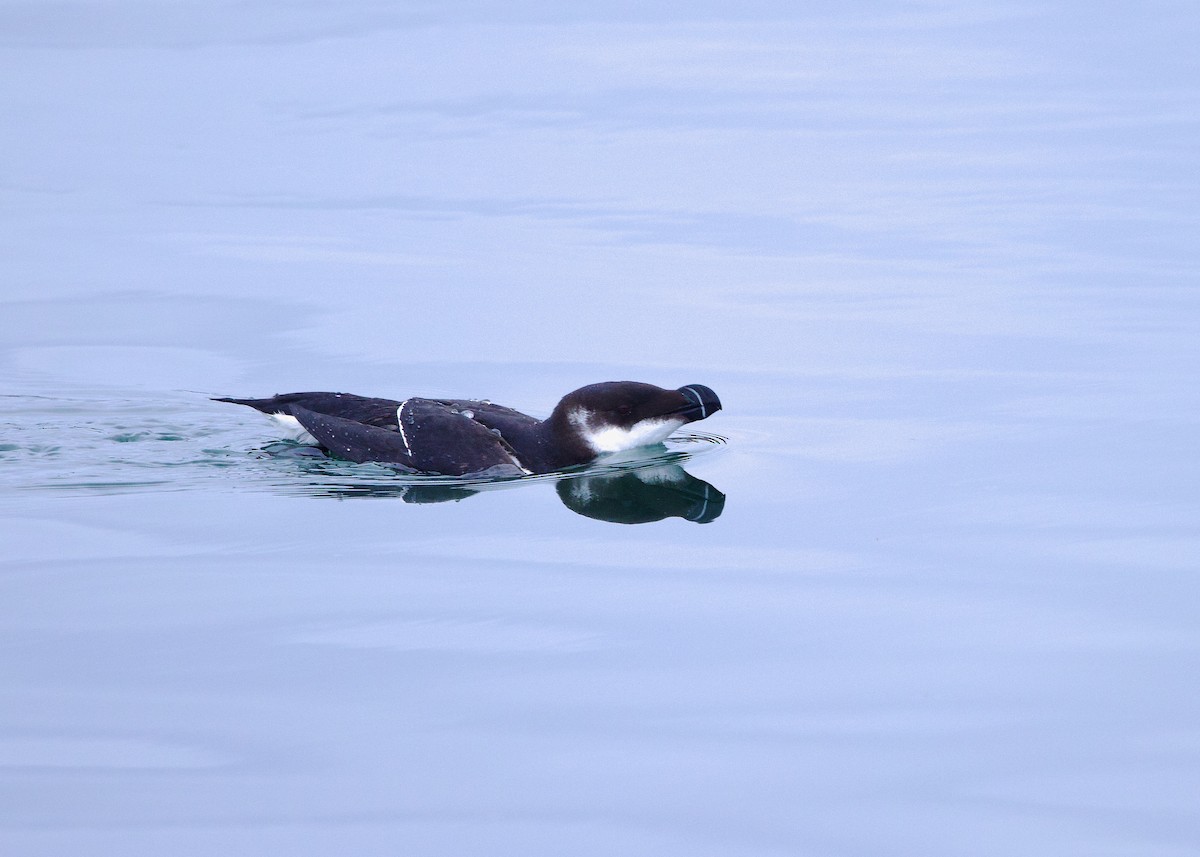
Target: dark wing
430	438
353	441
346	406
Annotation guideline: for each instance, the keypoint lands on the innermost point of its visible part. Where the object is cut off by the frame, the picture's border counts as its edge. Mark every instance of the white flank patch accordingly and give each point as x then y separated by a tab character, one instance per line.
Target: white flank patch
292	425
617	438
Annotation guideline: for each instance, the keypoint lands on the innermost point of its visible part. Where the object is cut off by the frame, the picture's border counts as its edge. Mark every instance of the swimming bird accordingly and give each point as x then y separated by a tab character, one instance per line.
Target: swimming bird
457	437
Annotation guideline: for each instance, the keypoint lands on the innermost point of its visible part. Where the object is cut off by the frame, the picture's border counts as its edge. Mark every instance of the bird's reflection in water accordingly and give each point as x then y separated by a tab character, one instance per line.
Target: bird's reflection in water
635	495
642	496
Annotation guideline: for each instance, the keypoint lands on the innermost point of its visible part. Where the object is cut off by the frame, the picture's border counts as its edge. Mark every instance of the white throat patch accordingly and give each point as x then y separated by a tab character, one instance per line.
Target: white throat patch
609	438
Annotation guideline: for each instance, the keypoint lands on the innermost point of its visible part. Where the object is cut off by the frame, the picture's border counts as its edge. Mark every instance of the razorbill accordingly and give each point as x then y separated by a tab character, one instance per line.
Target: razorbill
456	437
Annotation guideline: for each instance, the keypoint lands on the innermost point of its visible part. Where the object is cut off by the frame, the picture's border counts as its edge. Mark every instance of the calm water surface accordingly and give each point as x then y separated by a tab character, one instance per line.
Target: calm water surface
939	262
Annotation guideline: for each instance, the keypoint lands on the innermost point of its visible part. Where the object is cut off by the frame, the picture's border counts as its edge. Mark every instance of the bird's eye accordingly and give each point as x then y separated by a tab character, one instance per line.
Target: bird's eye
624	410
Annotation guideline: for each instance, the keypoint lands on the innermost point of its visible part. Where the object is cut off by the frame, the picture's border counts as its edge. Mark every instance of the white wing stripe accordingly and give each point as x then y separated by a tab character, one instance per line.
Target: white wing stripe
400	426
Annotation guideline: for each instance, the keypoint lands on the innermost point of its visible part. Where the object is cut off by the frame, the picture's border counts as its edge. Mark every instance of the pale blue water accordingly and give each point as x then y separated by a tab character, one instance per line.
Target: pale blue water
939	262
